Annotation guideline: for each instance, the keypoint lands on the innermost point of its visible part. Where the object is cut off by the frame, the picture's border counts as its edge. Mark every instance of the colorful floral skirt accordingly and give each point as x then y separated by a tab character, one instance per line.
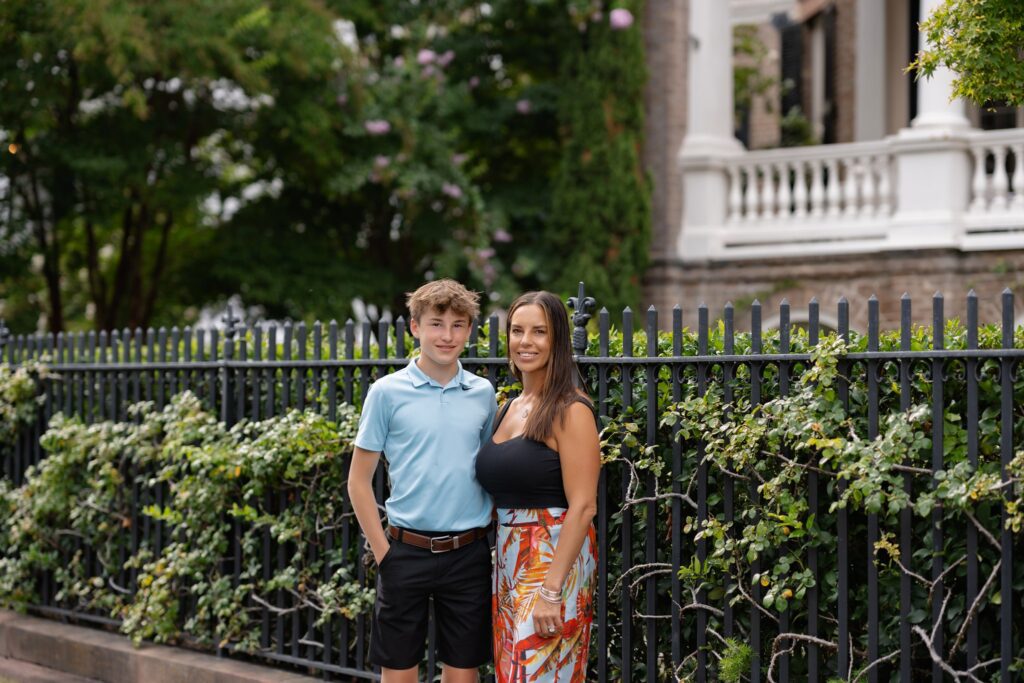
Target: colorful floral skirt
526	546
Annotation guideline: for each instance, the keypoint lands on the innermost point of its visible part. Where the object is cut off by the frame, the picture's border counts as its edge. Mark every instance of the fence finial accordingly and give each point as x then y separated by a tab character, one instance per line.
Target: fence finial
5	334
230	322
581	306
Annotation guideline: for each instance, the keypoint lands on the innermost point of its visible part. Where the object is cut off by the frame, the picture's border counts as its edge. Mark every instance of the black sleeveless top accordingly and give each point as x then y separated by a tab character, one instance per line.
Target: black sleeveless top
520	472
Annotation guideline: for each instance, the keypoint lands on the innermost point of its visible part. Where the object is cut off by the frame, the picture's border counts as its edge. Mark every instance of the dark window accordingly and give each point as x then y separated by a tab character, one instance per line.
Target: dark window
790	62
997	116
830	133
914	12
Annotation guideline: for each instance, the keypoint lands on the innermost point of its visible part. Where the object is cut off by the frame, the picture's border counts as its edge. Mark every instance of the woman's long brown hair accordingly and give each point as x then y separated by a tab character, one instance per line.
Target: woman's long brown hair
559	391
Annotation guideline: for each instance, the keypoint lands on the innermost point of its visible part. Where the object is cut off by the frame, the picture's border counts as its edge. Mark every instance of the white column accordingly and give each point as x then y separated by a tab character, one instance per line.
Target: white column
709	142
934	107
870	101
710	121
933	166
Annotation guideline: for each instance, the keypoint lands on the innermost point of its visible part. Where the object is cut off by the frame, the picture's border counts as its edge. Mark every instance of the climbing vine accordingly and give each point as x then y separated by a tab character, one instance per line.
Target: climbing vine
201	481
769	453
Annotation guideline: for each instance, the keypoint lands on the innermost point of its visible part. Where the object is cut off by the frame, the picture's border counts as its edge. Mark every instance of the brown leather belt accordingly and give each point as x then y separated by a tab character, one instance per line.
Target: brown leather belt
437	544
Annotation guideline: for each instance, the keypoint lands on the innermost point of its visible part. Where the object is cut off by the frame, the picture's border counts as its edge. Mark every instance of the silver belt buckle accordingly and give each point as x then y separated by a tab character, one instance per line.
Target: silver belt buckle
438	538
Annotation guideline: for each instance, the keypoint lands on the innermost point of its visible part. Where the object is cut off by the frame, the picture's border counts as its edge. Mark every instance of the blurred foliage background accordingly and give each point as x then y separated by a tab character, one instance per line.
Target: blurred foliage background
159	158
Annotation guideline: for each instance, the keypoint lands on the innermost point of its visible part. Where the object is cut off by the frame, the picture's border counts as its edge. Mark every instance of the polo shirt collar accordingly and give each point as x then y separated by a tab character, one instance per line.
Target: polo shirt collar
419	378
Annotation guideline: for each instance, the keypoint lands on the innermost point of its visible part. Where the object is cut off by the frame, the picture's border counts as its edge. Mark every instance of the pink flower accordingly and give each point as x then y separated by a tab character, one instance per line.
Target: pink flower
485	253
620	19
426	56
458	159
446	58
399	62
502	236
452	190
381	161
342	100
377	127
474	82
523	106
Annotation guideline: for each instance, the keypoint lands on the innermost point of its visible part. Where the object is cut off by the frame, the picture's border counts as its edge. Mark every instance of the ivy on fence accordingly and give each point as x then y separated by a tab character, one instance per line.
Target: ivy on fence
281	476
767	451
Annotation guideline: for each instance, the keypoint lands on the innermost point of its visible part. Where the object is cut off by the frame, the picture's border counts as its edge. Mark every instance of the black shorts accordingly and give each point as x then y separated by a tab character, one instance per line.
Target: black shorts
459	581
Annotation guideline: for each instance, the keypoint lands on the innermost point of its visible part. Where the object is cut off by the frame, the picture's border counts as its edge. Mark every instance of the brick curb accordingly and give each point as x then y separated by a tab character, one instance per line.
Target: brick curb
111	658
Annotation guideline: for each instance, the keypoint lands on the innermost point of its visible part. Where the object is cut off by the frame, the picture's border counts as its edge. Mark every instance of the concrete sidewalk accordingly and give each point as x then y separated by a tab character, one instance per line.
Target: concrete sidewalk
16	671
88	655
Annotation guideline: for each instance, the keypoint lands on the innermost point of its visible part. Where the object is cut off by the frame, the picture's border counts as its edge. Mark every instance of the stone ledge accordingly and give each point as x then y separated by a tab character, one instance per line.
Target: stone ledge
111	658
15	671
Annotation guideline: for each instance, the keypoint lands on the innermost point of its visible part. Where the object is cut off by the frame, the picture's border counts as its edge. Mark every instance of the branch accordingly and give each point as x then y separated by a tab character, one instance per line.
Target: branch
941	662
906	570
776	653
658	567
941	576
974	608
984	532
739	587
880	660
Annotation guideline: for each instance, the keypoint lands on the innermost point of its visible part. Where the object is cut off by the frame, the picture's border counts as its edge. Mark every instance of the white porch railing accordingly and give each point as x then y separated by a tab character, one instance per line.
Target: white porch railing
995	216
846	198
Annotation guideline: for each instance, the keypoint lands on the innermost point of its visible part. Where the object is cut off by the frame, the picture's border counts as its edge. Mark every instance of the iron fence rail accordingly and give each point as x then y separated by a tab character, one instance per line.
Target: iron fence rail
655	625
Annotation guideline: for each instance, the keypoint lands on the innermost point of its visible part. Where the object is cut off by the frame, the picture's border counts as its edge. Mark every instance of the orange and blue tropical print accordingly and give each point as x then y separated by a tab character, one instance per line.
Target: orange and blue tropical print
525	547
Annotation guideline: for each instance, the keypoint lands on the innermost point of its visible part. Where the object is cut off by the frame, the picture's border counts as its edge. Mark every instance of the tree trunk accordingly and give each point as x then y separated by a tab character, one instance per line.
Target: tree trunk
49	247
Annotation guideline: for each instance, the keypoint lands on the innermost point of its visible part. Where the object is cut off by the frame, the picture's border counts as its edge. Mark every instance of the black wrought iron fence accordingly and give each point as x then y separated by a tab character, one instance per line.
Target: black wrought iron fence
859	618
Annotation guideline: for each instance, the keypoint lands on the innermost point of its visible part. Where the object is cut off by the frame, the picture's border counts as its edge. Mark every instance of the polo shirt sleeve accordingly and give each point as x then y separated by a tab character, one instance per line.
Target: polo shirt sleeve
488	428
374	420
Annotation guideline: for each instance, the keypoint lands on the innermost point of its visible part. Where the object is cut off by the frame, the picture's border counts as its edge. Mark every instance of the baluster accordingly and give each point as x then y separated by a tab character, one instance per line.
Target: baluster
799	190
1000	181
735	194
867	193
979	181
833	190
785	196
817	190
750	195
884	185
1018	177
769	196
850	208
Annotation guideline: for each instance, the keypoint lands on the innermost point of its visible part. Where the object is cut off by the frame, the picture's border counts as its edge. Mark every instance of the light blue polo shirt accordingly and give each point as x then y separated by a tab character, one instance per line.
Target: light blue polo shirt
430	436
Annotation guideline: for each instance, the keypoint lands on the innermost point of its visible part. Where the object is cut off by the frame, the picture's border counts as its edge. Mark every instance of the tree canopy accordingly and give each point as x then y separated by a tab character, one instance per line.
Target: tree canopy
158	157
982	42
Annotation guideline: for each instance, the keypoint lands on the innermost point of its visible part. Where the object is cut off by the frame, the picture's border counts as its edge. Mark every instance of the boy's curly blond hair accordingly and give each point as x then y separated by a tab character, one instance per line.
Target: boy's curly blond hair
443	295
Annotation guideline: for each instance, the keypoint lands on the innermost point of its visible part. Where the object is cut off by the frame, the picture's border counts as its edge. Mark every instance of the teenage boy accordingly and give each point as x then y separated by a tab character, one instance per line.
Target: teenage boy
429	419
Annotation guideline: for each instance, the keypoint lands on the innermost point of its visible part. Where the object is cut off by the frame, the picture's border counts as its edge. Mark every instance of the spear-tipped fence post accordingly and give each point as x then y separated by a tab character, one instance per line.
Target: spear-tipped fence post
230	329
5	336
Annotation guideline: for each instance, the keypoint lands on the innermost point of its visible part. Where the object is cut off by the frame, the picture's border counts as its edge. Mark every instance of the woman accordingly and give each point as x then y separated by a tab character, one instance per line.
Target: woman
542	466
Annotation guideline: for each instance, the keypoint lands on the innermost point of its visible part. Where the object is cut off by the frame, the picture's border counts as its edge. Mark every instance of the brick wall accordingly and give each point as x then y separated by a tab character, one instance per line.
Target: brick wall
764	109
857	277
846	65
